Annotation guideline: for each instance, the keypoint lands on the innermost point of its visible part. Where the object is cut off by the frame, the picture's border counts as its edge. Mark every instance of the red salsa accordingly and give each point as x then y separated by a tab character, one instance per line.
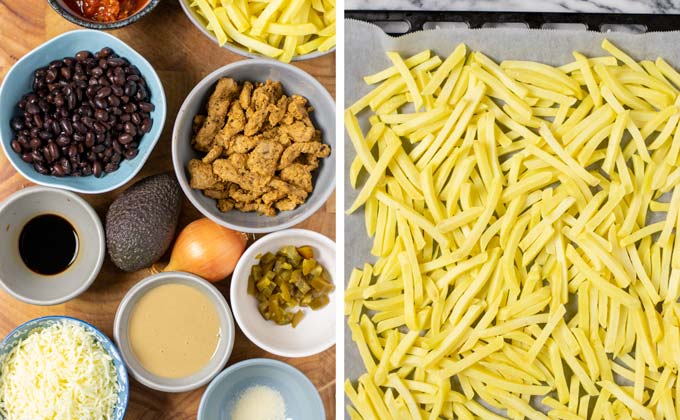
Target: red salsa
105	10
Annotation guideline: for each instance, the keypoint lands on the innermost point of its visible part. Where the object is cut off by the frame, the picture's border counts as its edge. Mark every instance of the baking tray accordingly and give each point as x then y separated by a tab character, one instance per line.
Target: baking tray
415	21
412	21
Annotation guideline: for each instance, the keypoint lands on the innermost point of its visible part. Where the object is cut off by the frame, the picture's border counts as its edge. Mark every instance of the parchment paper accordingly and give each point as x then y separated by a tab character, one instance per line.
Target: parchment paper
365	47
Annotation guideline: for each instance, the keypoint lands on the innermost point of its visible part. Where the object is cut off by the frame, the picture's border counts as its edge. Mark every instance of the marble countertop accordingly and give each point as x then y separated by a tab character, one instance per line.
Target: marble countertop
565	6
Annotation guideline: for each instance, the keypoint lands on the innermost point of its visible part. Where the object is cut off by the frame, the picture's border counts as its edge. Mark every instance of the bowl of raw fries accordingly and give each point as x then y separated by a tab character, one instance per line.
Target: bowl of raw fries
281	30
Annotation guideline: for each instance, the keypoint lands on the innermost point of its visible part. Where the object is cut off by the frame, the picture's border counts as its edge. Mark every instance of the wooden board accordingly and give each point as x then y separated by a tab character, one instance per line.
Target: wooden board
181	55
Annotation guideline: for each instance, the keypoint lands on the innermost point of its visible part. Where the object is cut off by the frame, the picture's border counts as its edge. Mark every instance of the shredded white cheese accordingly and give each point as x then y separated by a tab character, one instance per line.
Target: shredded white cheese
58	373
259	402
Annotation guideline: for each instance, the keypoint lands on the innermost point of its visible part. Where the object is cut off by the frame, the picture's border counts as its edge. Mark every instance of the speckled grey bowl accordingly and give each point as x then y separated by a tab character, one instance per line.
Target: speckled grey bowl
22	283
294	81
60	7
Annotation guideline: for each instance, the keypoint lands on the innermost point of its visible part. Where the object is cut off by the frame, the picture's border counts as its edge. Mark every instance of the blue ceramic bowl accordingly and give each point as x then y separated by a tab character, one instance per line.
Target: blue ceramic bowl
22	331
301	397
18	82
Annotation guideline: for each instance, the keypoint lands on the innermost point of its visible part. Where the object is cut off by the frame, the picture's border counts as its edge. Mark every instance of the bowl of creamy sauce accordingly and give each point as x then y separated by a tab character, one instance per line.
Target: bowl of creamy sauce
175	331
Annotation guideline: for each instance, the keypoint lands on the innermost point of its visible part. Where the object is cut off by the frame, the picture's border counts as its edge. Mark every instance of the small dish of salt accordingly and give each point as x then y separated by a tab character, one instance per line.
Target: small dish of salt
262	389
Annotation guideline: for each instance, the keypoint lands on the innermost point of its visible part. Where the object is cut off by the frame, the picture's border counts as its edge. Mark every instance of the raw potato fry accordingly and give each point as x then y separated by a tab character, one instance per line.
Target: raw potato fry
527	238
277	29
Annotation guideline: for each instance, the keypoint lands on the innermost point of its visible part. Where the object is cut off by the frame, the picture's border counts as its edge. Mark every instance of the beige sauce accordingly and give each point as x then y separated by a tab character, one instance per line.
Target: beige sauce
174	330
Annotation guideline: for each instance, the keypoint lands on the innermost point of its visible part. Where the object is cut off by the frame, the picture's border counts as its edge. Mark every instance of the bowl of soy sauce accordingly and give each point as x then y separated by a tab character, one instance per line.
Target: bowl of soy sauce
52	245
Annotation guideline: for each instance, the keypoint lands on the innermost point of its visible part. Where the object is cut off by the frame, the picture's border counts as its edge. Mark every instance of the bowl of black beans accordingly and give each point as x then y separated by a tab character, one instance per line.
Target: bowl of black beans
81	112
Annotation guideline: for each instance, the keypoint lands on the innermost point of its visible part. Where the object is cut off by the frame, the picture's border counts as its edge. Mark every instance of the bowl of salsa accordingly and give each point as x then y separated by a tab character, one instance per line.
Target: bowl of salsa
103	14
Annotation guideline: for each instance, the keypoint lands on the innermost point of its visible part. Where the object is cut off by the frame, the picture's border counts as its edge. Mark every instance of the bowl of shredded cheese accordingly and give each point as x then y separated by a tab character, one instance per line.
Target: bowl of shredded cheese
58	367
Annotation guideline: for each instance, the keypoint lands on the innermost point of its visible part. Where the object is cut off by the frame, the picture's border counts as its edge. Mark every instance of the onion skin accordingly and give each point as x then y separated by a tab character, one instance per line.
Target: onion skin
207	249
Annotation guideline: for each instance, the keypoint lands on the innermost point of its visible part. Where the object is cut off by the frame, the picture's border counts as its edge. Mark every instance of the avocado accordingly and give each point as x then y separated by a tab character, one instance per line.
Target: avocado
141	222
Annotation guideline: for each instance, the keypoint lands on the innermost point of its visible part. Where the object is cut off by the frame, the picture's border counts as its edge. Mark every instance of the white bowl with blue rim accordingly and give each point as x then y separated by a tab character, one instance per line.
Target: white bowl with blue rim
301	398
18	82
22	331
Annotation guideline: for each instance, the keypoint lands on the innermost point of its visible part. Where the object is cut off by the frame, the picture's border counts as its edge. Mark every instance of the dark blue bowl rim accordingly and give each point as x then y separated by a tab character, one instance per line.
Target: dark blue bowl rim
73	18
255	362
112	349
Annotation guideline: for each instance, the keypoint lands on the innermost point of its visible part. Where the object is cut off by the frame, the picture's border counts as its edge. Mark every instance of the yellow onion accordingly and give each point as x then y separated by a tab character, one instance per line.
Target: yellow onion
207	249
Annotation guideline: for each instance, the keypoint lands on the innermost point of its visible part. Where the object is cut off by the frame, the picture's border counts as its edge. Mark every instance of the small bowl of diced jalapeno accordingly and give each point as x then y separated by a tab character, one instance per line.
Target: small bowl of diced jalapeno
282	293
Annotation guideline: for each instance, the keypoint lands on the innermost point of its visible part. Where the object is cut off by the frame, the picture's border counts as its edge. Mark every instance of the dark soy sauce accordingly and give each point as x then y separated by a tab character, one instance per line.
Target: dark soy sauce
48	244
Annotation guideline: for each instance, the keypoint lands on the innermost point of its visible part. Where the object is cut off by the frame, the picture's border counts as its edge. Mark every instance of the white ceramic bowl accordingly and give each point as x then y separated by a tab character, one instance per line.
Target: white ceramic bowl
203	376
36	289
316	331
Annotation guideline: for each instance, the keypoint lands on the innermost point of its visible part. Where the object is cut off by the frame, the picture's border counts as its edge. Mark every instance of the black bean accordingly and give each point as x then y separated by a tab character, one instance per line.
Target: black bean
66	165
82	55
103	92
63	140
82	128
141	94
101	115
55	127
88	121
65	73
45	135
71	100
32	108
131	153
146	106
57	170
136	119
146	125
96	71
117	90
40	168
98	127
116	158
101	103
27	157
91	91
125	138
66	126
117	147
37	120
130	88
35	143
17	124
130	128
16	146
114	101
110	167
115	61
105	52
50	76
130	108
97	168
51	152
124	117
119	77
72	151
